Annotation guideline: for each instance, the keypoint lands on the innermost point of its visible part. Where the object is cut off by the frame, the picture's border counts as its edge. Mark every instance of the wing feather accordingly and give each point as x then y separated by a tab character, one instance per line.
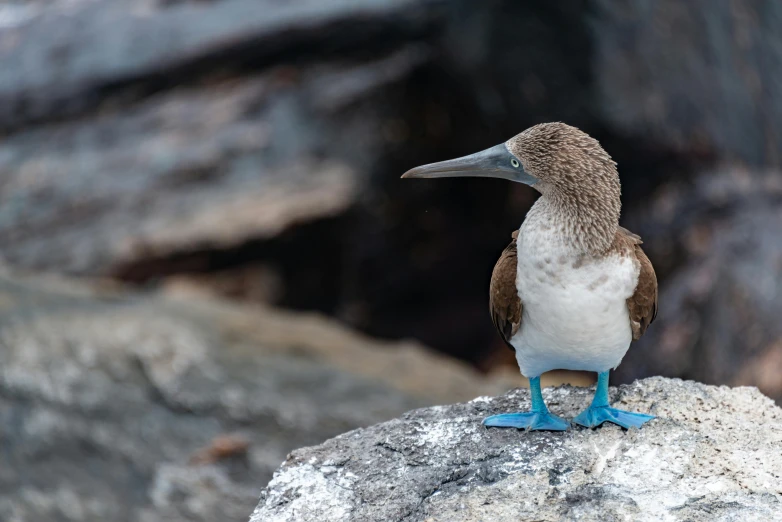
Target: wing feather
642	305
504	304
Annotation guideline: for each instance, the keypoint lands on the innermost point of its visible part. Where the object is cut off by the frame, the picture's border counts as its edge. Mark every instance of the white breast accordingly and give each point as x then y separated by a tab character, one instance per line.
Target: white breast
575	314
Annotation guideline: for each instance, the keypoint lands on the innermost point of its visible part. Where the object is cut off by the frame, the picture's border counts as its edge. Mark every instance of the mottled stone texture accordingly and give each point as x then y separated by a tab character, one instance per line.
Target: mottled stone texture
719	311
121	407
135	130
712	454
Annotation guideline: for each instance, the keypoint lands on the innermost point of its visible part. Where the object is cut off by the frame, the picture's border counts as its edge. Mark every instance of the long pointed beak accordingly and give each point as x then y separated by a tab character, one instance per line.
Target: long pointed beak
494	162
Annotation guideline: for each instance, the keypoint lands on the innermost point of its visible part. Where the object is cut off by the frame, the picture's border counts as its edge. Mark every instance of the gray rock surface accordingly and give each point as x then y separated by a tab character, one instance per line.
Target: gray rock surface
720	310
115	406
702	77
712	454
102	46
170	127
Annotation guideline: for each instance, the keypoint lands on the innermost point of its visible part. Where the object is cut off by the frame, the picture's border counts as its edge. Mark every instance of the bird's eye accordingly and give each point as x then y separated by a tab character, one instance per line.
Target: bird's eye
515	163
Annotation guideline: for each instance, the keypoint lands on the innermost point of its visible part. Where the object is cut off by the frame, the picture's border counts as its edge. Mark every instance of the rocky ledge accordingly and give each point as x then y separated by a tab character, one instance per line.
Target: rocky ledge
714	453
145	408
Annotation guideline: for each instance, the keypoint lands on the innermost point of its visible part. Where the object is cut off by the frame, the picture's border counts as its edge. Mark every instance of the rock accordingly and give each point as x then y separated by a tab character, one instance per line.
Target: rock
713	453
171	127
719	303
102	48
117	406
698	77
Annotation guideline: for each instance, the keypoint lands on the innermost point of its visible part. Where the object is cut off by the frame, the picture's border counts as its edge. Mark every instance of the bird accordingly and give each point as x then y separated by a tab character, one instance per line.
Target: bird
573	289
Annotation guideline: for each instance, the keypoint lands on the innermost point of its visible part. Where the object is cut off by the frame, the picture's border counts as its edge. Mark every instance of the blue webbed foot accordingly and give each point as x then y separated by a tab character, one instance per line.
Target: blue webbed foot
596	415
532	420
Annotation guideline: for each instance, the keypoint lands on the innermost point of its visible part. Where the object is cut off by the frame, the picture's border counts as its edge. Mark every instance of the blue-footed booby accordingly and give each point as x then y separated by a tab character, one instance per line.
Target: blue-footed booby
573	289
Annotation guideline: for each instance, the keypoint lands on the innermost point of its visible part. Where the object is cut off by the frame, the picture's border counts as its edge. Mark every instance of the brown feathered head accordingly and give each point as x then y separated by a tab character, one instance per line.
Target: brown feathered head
569	167
564	158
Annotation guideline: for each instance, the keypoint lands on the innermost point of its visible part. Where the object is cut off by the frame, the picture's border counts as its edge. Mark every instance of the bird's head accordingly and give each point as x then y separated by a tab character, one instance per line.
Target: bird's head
551	157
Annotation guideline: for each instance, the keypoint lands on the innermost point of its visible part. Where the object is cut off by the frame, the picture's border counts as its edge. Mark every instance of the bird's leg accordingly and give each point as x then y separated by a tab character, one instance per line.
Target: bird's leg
599	411
539	418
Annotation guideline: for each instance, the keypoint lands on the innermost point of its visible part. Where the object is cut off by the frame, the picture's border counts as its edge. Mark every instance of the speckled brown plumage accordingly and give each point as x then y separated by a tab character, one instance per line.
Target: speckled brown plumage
578	179
504	303
642	305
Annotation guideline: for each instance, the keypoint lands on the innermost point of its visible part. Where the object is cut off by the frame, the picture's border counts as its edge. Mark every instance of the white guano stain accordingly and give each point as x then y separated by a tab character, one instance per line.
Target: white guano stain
326	495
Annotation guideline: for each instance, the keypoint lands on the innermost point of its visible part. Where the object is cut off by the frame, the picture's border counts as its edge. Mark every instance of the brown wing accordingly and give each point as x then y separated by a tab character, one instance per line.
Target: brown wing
504	302
642	305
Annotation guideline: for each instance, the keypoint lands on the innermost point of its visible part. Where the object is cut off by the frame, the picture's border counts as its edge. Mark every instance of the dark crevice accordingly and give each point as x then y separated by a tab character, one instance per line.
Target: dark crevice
308	258
458	477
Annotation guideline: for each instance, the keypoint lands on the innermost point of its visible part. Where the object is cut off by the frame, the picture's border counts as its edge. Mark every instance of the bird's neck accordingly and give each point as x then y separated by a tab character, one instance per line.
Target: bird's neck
585	223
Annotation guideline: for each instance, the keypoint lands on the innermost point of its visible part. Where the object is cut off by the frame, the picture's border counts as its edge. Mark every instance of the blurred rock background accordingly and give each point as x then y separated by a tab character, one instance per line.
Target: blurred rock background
205	161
